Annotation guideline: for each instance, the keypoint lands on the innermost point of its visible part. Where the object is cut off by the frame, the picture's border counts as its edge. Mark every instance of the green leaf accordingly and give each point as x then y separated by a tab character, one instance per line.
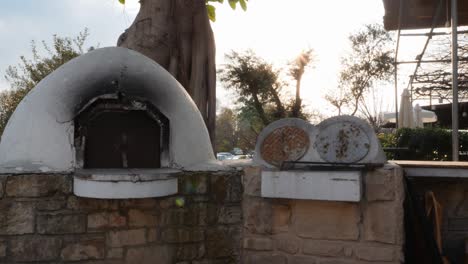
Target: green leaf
243	4
122	2
211	12
233	3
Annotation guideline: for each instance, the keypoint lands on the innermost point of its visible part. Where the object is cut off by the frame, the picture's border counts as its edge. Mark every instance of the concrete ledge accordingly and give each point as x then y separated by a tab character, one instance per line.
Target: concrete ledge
124	184
312	185
437	169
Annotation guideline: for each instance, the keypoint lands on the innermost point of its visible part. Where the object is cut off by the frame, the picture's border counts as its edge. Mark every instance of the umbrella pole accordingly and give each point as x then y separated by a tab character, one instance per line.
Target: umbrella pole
455	144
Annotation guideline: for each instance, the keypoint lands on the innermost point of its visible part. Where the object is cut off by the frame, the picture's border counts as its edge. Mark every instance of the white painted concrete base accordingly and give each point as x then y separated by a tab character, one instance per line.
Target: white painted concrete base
312	185
117	185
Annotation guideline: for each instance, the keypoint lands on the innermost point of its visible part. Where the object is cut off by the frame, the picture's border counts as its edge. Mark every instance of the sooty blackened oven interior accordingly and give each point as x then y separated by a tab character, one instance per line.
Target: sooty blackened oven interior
121	133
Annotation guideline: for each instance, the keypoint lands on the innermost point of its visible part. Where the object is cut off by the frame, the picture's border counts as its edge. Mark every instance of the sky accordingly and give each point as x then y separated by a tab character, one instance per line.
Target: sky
276	30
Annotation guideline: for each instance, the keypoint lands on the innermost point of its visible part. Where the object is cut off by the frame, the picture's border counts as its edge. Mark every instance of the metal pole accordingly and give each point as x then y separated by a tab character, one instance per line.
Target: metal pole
396	79
455	144
400	11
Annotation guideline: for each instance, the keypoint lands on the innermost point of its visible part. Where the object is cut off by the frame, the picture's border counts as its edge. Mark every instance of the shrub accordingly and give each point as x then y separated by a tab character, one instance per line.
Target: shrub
424	144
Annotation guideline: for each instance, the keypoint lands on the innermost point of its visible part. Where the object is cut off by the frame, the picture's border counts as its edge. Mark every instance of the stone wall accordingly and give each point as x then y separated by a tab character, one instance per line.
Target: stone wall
283	231
41	221
215	218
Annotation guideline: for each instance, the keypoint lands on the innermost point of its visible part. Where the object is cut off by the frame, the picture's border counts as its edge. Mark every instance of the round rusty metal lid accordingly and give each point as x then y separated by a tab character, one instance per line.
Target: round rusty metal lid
288	143
342	141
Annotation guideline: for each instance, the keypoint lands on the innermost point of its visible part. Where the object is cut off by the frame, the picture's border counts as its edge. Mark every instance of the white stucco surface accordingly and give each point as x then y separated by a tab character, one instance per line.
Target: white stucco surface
39	135
312	185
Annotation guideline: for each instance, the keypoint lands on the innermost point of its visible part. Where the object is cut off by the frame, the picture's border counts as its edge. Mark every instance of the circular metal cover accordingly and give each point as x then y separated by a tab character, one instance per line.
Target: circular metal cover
287	143
344	141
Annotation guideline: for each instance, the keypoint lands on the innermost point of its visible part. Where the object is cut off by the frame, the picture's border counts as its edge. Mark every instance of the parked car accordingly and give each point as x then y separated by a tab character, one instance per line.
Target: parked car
237	157
224	156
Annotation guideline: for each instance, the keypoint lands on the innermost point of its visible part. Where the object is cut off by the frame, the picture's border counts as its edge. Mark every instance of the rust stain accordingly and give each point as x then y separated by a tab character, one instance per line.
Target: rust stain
287	143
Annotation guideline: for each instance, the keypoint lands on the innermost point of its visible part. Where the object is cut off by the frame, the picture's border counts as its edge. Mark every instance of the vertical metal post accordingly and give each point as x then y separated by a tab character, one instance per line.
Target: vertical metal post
455	144
396	79
400	11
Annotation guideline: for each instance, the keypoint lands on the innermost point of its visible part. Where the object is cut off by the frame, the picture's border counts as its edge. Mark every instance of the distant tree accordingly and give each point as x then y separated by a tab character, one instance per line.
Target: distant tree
226	130
296	71
257	84
9	99
29	72
369	63
260	90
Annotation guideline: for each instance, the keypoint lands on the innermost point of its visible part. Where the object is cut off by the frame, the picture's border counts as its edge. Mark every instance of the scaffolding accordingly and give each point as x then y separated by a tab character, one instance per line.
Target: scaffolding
451	15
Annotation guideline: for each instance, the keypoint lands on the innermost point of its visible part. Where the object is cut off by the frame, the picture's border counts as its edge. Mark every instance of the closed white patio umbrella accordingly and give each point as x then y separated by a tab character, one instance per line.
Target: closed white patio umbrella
405	115
418	122
420	116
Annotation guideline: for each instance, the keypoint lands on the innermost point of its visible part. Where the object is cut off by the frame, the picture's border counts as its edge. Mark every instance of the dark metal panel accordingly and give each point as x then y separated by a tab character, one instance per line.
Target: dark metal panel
417	14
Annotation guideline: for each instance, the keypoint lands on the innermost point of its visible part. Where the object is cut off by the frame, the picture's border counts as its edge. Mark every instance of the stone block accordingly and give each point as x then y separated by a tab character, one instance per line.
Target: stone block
55	203
380	222
373	253
16	218
148	203
196	215
380	184
326	220
252	181
258	243
323	248
223	241
153	235
190	251
194	184
230	215
122	238
173	216
281	214
226	187
183	235
168	202
61	223
3	179
266	259
114	253
287	243
35	248
302	260
148	255
84	250
104	220
87	204
38	185
3	249
258	215
139	218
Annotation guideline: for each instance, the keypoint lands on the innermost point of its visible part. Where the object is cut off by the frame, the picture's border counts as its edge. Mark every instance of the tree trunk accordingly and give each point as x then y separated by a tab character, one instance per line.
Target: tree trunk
296	112
177	34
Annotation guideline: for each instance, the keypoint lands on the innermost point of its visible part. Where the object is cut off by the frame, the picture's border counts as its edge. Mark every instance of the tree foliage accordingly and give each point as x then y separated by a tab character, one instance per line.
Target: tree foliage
30	71
236	129
260	89
297	69
257	84
261	95
211	9
232	3
226	129
368	64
